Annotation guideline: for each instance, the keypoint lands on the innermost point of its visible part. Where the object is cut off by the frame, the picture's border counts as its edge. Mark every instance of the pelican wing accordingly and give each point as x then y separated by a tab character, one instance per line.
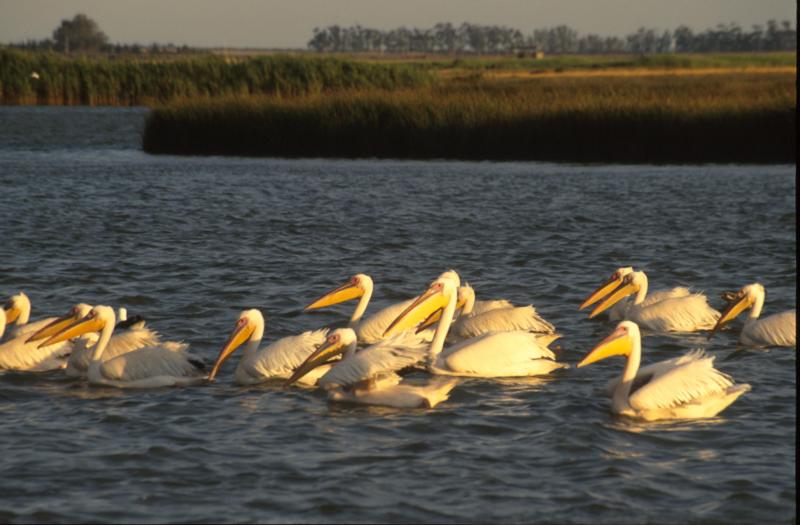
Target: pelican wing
657	296
676	314
496	354
370	330
17	354
122	342
690	379
377	363
646	373
774	330
501	320
617	312
29	329
493	304
282	357
146	363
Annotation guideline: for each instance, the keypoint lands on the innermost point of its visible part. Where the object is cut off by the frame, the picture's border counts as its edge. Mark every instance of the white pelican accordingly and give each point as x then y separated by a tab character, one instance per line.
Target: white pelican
368	376
673	314
491	316
147	367
617	312
276	360
23	352
18	311
493	354
683	387
128	335
369	330
775	330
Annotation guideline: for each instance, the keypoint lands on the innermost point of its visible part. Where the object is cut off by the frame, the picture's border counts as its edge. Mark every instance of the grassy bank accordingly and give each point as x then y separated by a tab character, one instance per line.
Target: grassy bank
131	81
719	118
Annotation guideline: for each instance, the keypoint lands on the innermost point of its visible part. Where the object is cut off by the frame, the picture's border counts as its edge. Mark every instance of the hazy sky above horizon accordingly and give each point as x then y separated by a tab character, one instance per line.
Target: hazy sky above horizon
289	23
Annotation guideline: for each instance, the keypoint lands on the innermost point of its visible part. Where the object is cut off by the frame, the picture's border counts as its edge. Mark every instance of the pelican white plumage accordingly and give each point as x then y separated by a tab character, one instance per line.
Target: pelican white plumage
369	330
128	336
617	312
277	360
146	367
491	316
18	312
23	353
774	330
368	376
684	387
492	354
688	313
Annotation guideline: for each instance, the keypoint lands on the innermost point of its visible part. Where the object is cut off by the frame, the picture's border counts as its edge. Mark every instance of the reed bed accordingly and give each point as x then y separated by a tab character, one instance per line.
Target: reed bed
131	81
719	118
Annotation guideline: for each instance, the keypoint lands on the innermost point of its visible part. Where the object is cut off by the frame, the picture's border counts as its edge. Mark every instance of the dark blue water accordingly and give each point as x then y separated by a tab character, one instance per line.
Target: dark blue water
190	242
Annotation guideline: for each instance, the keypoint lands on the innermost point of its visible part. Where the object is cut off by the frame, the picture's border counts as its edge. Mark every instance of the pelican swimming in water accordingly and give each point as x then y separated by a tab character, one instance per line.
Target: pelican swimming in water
493	354
18	312
278	360
368	330
147	367
617	312
491	316
688	313
774	330
24	354
683	387
368	376
129	335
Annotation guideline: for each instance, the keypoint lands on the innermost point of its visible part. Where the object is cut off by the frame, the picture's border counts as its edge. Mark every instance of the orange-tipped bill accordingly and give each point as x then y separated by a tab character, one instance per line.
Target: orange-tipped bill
729	314
621	292
331	348
240	334
56	326
77	328
419	311
346	292
604	289
618	343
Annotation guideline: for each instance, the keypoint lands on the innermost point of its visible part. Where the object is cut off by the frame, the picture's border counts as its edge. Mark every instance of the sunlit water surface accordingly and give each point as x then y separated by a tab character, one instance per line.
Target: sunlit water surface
190	242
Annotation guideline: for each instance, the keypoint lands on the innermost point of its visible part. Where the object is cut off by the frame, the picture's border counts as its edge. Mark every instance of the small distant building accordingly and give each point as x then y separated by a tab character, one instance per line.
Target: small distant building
534	51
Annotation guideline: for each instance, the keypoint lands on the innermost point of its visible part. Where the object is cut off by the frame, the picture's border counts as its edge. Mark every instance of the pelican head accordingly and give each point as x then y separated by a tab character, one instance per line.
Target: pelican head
249	326
96	320
465	295
748	297
338	342
74	314
435	298
18	308
354	288
629	285
606	287
452	275
620	342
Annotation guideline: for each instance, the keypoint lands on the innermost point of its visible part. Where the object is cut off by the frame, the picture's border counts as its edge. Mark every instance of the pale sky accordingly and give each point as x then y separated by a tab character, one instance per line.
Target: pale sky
289	23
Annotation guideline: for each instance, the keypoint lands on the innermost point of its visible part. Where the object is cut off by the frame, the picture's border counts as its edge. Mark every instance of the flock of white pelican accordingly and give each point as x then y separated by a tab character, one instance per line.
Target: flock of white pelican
444	331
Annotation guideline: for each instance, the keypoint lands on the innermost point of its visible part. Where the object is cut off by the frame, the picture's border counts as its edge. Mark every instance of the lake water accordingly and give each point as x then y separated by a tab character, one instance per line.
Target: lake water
190	242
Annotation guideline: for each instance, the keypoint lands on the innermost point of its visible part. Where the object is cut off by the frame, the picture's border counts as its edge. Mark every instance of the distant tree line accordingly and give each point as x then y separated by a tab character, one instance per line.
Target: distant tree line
489	39
83	35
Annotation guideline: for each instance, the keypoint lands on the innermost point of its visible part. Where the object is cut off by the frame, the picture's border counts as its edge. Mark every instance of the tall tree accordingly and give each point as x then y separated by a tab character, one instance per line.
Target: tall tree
79	34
